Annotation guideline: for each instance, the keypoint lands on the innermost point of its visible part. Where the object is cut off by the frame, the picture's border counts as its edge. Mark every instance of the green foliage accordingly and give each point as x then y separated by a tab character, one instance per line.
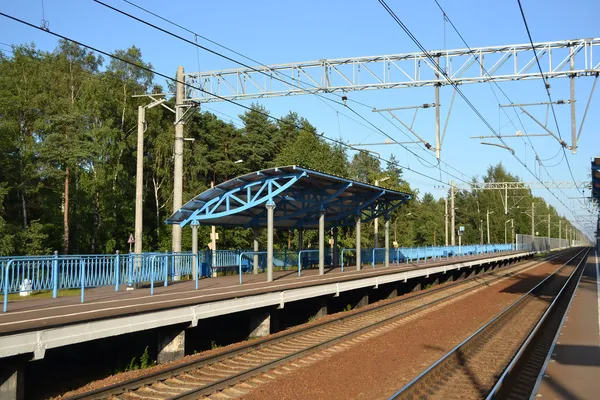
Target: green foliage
68	149
348	307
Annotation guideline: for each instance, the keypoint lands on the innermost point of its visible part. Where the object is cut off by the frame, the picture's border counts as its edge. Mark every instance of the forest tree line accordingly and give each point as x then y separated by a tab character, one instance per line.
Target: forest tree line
68	126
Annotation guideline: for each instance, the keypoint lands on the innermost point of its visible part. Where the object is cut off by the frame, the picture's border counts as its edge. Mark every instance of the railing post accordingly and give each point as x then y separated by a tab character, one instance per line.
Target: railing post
152	267
299	262
240	264
167	268
55	275
117	270
196	258
130	269
373	260
82	277
6	269
342	259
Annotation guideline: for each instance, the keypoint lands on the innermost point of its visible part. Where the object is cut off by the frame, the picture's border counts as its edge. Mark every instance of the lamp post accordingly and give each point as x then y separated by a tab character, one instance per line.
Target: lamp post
376	227
505	223
213	228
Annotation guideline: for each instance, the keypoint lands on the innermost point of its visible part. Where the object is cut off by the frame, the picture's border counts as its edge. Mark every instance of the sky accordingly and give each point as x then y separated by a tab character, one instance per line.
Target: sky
274	32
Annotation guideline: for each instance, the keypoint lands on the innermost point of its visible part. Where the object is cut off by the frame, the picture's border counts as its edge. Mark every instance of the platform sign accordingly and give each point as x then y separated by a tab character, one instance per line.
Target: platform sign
461	230
131	241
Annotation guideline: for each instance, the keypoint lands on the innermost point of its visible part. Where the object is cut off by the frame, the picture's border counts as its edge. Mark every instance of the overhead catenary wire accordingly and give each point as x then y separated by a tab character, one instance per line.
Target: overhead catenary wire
477	58
459	91
314	92
170	78
546	86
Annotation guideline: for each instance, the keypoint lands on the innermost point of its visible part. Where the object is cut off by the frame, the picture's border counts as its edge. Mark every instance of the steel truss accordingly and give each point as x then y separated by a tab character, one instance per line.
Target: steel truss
295	208
503	63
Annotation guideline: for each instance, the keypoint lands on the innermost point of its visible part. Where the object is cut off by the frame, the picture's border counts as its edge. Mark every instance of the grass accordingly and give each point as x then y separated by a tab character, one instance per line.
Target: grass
44	294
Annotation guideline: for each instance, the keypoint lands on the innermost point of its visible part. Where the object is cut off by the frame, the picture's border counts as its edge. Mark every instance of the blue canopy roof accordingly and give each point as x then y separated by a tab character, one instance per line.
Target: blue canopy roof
299	194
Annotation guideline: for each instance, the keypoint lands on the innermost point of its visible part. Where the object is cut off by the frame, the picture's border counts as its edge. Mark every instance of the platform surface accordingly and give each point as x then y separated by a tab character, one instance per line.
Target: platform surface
574	369
105	302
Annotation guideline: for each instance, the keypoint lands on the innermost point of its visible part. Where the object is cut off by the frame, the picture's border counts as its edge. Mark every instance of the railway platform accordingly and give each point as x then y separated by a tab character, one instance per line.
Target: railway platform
573	370
35	325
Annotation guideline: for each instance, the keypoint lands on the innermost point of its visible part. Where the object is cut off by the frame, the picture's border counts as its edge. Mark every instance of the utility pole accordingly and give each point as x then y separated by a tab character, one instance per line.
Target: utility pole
178	157
548	226
446	218
488	225
573	120
438	144
376	222
452	219
532	220
512	228
481	231
559	230
139	178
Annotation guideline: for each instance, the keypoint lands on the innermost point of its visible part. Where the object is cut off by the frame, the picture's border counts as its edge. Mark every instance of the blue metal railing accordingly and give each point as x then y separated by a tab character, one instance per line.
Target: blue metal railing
58	272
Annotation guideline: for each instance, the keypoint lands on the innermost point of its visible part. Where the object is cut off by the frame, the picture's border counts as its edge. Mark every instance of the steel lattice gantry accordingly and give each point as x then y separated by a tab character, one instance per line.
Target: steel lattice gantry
560	59
292	198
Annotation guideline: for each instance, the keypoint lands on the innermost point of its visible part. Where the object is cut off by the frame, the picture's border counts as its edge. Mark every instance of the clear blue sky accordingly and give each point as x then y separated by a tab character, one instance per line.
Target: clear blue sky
277	32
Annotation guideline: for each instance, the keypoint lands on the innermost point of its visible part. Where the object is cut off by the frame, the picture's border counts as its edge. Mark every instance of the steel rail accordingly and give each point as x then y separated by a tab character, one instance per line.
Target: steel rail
136	383
546	318
478	334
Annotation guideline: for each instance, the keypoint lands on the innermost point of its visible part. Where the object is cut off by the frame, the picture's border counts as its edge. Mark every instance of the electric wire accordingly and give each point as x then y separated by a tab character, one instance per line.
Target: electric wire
456	86
546	86
314	92
165	76
477	58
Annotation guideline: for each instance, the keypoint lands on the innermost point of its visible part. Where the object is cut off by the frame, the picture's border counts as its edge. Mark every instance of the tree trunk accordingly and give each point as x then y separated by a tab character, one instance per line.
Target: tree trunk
24	205
66	213
157	204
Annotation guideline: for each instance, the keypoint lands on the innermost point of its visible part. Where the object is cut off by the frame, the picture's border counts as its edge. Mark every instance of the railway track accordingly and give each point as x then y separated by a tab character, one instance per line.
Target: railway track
503	358
205	376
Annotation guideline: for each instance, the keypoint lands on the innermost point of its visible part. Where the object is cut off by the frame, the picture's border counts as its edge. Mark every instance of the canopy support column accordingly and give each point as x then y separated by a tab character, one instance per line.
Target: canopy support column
358	261
195	249
322	242
270	211
387	241
255	263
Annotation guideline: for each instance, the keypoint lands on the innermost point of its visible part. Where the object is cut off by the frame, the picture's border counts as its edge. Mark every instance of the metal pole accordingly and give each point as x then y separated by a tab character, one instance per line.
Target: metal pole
560	231
322	242
573	115
178	158
270	211
512	228
532	220
387	241
358	263
438	144
452	219
255	266
548	226
445	217
505	199
488	226
139	181
195	248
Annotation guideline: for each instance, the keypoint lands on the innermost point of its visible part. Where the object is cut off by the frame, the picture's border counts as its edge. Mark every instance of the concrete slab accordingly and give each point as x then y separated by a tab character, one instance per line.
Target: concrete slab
574	369
38	324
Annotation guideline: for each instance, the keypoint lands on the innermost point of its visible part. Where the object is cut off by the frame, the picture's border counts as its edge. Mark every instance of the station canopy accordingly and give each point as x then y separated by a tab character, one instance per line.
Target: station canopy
300	196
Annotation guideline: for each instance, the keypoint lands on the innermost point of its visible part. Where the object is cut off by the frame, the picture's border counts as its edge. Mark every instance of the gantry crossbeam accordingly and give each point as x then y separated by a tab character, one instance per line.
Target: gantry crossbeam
502	63
522	185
